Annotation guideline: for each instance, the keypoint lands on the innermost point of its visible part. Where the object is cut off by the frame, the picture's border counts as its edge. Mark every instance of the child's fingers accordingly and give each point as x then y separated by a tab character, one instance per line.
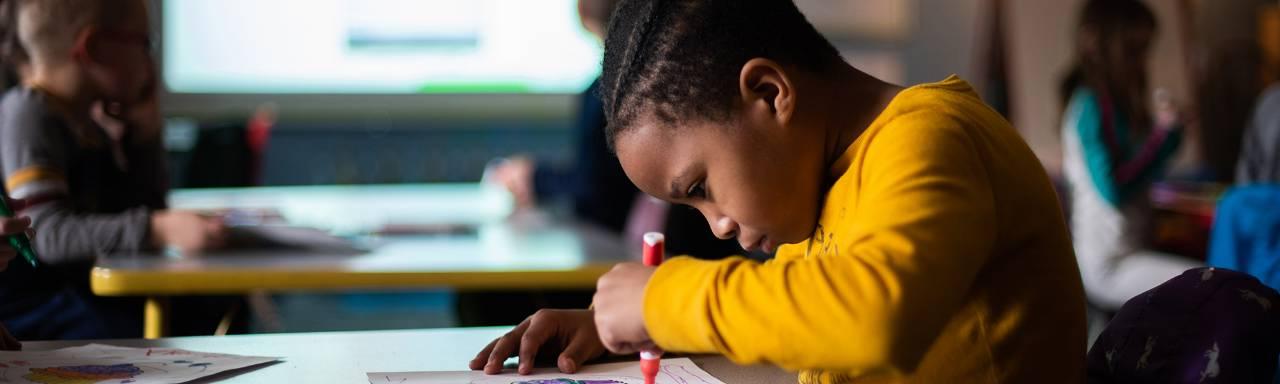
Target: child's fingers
12	226
537	334
8	342
7	254
506	347
483	357
17	205
579	350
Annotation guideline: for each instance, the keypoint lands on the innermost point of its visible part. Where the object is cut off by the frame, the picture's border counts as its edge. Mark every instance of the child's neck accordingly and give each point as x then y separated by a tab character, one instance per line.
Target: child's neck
853	101
63	86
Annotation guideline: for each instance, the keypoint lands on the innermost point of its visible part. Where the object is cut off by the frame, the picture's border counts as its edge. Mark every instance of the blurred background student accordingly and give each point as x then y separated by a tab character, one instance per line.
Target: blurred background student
1113	147
80	142
595	186
1260	150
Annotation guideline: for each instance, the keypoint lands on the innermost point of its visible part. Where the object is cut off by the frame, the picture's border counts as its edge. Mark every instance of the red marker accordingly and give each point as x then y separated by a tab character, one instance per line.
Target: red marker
650	360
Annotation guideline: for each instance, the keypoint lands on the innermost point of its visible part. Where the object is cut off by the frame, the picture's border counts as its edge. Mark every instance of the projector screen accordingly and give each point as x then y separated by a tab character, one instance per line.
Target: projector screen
377	47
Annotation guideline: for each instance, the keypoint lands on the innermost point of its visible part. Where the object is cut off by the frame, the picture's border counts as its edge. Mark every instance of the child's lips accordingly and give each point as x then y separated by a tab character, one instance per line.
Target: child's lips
763	244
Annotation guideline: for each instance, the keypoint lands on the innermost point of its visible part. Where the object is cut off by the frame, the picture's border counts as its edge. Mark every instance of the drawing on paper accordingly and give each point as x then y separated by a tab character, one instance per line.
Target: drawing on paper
83	374
94	363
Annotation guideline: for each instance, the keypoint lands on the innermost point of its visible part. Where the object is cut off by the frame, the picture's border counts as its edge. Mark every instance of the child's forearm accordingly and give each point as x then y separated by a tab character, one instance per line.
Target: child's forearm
64	235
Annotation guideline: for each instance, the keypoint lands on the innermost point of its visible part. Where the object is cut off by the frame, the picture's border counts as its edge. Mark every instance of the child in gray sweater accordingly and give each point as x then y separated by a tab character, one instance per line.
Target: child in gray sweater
80	142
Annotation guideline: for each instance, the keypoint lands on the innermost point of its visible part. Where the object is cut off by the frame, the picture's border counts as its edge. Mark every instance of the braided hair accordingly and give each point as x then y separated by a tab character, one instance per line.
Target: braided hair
681	59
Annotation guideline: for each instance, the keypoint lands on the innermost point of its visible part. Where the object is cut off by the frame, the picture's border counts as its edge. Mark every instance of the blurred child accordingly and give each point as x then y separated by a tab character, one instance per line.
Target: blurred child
918	238
1112	148
1260	150
80	141
596	186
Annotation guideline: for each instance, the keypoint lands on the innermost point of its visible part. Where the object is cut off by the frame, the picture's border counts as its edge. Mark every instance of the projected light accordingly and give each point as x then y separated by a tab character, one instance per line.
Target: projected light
376	47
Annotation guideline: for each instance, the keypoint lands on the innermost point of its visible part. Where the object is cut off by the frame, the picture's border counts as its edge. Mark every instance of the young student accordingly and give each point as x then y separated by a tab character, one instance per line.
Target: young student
1260	149
918	238
596	186
1112	148
80	141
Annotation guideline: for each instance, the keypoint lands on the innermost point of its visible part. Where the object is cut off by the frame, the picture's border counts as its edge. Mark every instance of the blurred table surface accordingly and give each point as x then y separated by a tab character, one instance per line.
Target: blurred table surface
496	252
345	357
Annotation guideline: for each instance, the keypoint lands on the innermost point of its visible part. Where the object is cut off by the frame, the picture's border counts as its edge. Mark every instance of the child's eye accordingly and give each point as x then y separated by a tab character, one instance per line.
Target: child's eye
696	191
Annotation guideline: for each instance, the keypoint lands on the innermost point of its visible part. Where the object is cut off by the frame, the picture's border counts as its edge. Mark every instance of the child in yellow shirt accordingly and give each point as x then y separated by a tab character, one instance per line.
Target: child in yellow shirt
918	238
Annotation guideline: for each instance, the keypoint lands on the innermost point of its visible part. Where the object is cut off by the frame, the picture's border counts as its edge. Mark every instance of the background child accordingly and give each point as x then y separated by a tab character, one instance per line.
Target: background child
596	186
1260	150
81	142
905	251
1111	153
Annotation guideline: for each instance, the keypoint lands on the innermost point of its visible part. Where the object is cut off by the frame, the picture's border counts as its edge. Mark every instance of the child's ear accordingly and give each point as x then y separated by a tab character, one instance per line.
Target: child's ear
764	85
81	47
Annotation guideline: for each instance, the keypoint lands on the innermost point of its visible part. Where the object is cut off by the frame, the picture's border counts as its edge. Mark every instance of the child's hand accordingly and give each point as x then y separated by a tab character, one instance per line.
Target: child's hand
11	226
7	341
140	118
189	232
516	175
569	332
619	307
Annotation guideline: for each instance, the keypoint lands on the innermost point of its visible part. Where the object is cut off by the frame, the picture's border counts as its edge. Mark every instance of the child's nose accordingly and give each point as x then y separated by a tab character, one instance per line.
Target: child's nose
724	228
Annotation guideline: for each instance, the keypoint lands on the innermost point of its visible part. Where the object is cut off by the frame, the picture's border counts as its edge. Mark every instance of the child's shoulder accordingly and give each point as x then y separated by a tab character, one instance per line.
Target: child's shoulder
936	121
25	115
950	97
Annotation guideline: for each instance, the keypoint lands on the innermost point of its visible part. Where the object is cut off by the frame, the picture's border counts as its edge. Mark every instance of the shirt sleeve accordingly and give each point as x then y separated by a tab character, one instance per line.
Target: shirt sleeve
1114	176
922	231
35	154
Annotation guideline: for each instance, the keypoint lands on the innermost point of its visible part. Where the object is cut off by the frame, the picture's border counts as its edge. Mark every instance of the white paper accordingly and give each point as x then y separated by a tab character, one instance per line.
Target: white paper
674	371
97	363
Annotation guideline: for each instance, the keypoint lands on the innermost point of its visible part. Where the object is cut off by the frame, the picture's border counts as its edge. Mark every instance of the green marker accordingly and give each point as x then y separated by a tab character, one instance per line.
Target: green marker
19	241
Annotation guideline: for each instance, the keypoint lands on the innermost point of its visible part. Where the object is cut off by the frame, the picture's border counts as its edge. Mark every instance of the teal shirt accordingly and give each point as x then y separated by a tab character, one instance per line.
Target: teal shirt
1117	166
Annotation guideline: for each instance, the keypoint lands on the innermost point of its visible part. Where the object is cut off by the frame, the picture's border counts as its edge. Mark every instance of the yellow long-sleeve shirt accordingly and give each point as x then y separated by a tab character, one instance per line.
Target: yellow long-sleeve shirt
940	256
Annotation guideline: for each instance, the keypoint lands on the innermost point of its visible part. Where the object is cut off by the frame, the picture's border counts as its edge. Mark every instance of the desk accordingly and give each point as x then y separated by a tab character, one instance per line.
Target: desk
534	253
345	357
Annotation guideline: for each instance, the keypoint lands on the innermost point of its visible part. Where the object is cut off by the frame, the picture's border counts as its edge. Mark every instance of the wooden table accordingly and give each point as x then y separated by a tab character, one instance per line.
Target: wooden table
532	252
345	357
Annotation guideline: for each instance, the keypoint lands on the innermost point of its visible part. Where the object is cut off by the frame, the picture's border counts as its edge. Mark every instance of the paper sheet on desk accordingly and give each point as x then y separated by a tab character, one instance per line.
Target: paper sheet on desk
284	236
97	363
674	371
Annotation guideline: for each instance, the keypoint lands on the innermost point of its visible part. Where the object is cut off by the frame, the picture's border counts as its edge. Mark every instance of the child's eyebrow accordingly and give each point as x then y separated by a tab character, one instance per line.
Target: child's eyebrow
677	185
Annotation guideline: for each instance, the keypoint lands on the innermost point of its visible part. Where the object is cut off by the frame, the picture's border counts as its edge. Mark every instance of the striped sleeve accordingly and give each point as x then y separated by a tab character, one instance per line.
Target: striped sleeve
32	152
1117	175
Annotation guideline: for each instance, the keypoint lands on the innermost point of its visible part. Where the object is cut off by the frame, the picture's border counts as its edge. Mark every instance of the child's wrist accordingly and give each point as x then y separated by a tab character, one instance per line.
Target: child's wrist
154	230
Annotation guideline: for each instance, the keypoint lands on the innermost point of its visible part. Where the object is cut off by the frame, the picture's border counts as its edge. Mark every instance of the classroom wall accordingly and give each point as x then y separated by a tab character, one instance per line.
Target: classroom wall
945	40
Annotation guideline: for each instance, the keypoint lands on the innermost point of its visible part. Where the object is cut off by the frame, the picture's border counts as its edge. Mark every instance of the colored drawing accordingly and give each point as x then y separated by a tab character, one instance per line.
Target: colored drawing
674	371
95	363
569	381
82	374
